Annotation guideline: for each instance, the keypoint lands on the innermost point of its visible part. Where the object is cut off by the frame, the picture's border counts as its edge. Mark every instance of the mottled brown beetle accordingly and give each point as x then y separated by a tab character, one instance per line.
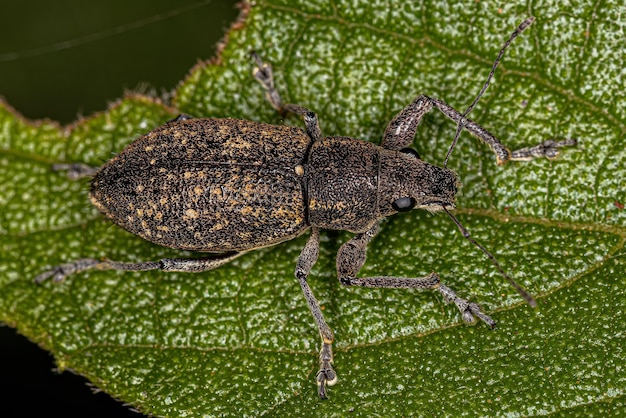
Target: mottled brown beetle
228	186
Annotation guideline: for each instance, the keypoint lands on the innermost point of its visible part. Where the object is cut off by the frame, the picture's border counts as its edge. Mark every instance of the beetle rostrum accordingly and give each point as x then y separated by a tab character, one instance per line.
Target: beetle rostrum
228	186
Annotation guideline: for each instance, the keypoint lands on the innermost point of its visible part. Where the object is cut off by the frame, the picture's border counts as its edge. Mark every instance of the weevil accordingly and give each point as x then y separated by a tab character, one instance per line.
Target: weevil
229	186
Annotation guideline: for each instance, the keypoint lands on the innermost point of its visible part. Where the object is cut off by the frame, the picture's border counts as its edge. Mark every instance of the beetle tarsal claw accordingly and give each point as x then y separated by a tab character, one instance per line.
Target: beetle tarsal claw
548	149
59	273
326	376
470	311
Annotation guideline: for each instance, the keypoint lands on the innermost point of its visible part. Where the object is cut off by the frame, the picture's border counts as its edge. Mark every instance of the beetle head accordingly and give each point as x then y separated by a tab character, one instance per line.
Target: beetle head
438	188
406	183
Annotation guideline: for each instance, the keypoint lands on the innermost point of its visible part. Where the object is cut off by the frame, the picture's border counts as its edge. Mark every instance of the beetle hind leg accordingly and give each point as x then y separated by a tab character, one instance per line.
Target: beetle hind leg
76	171
192	265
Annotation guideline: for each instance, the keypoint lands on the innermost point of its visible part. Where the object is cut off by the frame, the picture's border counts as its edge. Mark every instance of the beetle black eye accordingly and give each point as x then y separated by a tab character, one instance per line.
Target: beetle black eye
410	151
404	204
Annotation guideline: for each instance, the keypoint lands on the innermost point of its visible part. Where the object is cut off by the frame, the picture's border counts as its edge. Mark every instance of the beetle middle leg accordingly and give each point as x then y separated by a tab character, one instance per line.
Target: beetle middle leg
351	257
308	257
263	74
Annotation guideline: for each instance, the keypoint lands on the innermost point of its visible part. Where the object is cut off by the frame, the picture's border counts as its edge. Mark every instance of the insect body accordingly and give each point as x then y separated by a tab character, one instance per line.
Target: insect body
211	185
228	186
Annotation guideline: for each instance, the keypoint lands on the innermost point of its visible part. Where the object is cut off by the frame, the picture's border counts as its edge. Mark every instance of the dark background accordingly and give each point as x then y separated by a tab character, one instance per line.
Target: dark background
64	58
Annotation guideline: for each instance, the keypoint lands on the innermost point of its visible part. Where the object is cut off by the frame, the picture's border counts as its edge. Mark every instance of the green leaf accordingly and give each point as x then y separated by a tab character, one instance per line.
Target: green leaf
240	340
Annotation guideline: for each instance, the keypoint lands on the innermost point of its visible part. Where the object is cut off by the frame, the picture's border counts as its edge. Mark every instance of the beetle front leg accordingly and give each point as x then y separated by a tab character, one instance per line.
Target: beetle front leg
308	257
401	131
351	257
264	75
548	149
191	265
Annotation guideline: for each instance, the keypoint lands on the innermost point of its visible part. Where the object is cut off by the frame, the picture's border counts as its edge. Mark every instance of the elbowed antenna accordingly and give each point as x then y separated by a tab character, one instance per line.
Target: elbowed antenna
523	293
525	24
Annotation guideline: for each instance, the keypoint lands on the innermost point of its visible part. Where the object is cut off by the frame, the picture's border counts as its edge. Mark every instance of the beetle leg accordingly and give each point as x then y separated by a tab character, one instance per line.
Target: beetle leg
76	171
548	149
264	75
308	257
60	272
351	257
182	116
401	131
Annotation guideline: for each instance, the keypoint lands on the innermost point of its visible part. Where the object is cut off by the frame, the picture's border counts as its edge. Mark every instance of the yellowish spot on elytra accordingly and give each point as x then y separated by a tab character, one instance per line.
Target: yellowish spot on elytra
163	228
149	148
299	170
280	213
159	215
198	190
140	212
216	227
224	130
163	200
188	174
191	213
140	188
